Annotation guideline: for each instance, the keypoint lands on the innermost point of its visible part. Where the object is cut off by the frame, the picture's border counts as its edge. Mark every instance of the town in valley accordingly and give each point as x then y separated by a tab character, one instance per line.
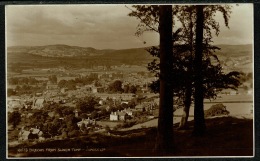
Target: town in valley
85	81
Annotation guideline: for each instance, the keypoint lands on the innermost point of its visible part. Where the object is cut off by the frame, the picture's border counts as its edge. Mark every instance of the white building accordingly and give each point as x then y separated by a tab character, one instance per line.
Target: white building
39	103
119	115
114	116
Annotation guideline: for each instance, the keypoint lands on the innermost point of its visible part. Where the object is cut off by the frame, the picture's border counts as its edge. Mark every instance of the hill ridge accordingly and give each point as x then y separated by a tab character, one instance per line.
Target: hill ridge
234	57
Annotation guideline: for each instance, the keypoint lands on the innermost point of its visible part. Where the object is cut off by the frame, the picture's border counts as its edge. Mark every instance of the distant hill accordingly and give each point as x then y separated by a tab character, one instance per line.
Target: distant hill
133	54
56	50
72	51
235	50
75	51
232	57
236	57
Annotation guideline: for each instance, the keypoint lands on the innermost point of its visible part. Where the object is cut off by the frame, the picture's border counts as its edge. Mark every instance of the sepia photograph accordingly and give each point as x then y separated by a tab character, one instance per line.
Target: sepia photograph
129	80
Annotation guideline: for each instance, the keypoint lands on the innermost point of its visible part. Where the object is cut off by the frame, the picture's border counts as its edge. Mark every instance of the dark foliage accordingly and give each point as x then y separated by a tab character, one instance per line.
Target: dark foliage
14	118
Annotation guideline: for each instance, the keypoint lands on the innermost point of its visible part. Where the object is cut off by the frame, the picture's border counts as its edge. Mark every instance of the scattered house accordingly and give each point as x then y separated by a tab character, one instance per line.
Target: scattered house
28	104
86	122
117	75
123	96
94	90
51	86
129	111
76	113
108	108
28	115
62	101
63	90
122	115
88	88
39	103
38	94
250	92
156	112
97	90
118	115
139	107
23	135
53	114
32	134
101	102
225	91
125	102
13	98
233	92
14	104
79	85
114	116
147	106
144	90
156	101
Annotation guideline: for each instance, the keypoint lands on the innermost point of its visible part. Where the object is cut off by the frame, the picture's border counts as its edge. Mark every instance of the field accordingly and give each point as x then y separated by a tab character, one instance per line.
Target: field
111	124
237	105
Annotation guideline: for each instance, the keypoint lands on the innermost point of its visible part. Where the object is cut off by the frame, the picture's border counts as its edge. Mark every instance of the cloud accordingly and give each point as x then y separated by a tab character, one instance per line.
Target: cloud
98	23
99	26
240	29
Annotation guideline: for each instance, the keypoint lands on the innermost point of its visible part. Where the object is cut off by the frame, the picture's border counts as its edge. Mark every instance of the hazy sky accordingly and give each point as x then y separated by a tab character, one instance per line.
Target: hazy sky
102	26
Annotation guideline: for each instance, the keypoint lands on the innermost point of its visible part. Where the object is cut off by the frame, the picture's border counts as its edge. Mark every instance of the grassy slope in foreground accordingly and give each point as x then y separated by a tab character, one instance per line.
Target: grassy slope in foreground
226	136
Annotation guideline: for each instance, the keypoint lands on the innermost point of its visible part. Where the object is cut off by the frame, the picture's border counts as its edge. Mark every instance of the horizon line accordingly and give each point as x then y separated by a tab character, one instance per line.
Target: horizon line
106	48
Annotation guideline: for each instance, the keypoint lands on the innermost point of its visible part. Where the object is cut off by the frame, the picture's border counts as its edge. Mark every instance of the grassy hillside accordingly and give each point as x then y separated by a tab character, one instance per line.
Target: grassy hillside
60	55
232	57
133	54
236	57
226	136
56	50
235	50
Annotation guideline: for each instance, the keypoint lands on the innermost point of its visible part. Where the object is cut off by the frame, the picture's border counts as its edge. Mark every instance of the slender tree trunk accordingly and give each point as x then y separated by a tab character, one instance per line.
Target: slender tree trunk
199	121
188	91
186	109
164	141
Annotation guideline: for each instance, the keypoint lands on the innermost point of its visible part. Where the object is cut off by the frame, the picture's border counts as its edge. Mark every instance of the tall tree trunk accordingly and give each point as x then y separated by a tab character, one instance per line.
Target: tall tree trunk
199	121
187	104
164	141
188	90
